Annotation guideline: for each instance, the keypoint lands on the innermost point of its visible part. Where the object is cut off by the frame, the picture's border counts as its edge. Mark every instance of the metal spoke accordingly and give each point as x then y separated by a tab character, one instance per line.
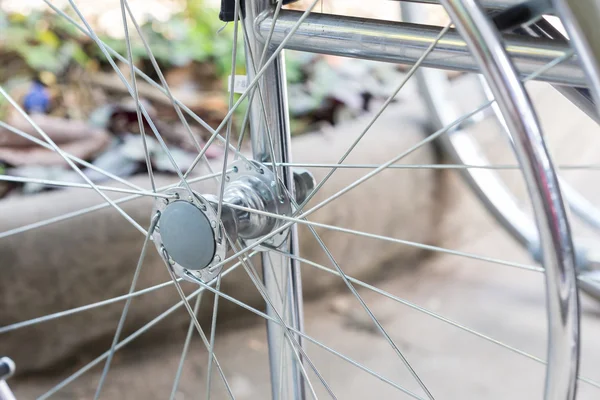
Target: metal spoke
67	159
426	140
90	209
260	63
70	156
121	323
385	105
194	319
366	308
295	346
167	90
250	55
76	310
48	182
310	224
259	75
213	329
432	166
326	201
119	346
229	124
137	97
186	345
285	311
428	312
305	336
145	77
142	108
91	306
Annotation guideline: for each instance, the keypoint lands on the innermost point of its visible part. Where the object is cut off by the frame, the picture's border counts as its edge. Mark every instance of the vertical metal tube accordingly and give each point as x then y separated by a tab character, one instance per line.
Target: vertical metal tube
279	272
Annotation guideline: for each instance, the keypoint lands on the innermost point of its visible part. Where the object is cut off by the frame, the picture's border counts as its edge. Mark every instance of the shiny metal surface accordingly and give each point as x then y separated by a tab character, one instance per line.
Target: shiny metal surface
555	236
5	392
581	97
488	4
7	369
589	282
463	148
206	272
278	271
460	146
404	43
580	19
254	185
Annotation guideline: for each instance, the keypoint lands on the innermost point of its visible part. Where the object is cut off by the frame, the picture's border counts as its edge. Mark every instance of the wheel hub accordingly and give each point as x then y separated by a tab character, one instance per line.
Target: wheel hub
194	242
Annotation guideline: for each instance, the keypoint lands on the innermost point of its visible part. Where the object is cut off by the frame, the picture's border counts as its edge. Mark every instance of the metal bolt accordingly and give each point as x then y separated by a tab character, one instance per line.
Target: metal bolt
304	183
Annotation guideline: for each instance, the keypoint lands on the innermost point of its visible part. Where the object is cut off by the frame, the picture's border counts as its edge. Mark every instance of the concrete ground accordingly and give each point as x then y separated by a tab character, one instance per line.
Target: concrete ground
502	302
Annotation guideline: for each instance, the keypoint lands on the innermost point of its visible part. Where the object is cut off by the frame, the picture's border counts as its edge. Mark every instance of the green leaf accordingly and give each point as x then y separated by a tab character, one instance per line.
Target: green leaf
40	58
48	38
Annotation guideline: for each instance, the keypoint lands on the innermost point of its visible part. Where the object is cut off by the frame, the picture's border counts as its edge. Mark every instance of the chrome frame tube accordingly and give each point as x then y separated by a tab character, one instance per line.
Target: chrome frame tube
277	269
487	4
555	235
580	18
404	43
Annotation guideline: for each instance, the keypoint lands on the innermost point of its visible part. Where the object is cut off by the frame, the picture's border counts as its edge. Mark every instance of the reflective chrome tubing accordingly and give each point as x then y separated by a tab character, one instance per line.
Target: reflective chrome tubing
404	43
269	116
553	226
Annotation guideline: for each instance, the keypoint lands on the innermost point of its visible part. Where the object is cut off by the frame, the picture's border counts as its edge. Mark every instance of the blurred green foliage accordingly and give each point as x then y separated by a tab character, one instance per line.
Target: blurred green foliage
48	42
45	44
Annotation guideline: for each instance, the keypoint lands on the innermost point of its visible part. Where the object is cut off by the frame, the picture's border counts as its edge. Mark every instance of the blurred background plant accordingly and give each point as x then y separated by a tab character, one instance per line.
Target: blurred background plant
192	47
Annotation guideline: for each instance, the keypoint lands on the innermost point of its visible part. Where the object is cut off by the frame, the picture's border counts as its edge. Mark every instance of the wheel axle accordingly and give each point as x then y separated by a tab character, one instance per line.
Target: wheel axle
193	241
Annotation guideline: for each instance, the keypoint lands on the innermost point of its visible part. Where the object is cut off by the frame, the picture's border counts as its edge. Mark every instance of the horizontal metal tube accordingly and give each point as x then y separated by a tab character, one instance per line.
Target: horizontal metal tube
404	43
488	4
